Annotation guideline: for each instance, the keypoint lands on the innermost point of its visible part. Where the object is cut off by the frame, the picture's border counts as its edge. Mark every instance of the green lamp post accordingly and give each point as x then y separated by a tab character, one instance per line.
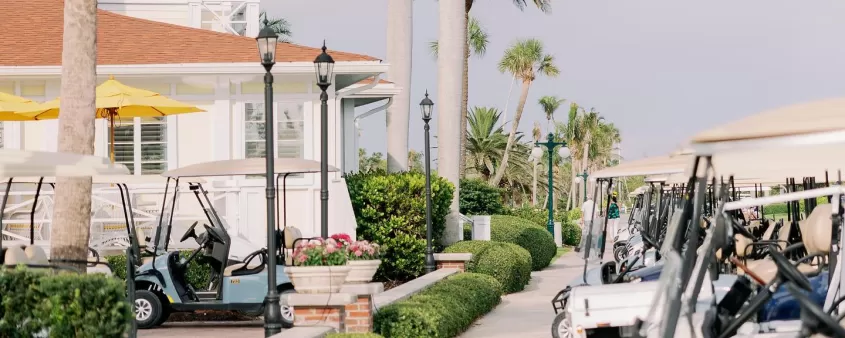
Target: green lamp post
536	154
583	180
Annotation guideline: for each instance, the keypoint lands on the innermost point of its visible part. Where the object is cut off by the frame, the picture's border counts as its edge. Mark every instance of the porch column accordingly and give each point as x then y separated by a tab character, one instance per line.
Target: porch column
251	14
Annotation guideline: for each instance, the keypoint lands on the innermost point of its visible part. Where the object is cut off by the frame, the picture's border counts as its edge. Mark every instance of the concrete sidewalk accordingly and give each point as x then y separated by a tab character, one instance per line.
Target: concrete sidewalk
529	313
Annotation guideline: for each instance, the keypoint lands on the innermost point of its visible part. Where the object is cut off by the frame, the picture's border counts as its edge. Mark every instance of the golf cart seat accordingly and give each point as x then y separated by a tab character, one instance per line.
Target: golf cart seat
142	244
36	255
816	237
290	236
14	255
240	269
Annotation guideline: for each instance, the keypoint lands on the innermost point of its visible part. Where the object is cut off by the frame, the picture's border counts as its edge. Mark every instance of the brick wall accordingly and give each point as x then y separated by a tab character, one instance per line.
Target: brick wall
322	316
460	265
359	315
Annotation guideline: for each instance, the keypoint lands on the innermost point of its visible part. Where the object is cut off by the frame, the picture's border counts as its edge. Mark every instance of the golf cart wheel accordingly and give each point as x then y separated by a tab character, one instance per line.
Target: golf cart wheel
620	253
562	326
148	309
287	310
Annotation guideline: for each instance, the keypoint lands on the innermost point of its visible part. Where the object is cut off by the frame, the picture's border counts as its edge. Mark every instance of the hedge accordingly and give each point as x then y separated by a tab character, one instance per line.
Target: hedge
446	309
570	230
390	210
508	263
65	305
354	335
479	198
198	274
537	240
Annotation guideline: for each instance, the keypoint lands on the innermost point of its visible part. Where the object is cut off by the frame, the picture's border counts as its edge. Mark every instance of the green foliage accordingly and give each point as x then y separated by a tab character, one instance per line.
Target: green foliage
390	210
444	310
537	240
508	263
571	233
569	221
354	335
67	305
479	198
198	273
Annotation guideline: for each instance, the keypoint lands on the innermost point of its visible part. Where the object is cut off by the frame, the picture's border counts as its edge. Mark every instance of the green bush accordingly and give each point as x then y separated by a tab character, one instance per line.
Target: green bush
198	274
354	335
390	210
537	240
445	309
508	263
571	233
66	305
479	198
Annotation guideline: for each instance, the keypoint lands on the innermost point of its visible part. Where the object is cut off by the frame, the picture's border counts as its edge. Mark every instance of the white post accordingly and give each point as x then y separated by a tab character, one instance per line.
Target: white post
481	228
558	235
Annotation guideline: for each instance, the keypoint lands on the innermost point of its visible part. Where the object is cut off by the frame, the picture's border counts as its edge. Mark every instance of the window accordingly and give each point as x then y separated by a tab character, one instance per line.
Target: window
289	131
141	143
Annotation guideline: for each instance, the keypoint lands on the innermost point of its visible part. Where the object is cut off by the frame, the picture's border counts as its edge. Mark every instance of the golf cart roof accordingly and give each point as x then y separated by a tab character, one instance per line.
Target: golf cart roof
648	166
250	166
806	123
637	191
103	179
15	163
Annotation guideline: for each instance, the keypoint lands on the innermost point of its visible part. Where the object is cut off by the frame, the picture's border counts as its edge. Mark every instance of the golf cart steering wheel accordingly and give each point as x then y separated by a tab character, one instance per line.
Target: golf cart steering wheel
788	271
213	235
190	233
741	230
813	314
627	268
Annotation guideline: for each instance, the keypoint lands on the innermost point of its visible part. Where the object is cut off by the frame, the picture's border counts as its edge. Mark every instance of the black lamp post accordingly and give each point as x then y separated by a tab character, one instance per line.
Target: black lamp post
324	66
267	40
583	180
537	153
426	107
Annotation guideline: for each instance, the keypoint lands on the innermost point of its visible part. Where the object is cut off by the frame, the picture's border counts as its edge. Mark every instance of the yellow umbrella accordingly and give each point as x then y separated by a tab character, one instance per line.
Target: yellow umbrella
9	104
115	100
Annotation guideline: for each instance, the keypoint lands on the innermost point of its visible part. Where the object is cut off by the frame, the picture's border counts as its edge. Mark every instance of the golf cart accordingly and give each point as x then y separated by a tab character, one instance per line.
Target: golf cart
236	285
810	136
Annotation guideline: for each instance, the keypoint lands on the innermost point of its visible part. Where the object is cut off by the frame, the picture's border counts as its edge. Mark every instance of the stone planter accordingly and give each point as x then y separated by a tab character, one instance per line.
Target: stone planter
362	271
317	279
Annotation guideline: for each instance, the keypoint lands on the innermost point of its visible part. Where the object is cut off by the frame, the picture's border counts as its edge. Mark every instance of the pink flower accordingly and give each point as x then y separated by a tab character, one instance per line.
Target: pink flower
302	258
358	253
330	248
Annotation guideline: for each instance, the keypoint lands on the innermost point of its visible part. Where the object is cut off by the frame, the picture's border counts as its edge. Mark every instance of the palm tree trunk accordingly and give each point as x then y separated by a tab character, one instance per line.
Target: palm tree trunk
534	187
70	232
450	62
500	171
399	49
465	97
585	160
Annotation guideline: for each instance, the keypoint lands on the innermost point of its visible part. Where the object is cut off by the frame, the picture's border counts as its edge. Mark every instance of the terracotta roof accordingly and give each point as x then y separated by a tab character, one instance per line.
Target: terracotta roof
32	36
370	80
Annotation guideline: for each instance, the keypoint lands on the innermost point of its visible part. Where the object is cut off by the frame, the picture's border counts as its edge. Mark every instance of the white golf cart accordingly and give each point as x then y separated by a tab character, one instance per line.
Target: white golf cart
808	139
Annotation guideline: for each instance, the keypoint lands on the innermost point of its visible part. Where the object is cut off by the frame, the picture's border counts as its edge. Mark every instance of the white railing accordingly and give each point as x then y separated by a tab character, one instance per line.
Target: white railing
108	225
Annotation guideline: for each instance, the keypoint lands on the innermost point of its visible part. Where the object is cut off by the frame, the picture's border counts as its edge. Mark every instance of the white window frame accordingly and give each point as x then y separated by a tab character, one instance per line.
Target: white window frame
170	144
239	110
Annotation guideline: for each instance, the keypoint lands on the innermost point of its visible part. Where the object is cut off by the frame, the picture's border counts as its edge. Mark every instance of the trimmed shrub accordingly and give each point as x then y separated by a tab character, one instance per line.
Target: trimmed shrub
508	263
479	198
354	335
571	233
390	210
66	305
537	240
445	309
198	273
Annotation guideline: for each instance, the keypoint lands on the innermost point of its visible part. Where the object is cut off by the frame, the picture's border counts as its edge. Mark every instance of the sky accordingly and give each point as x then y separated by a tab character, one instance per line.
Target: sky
660	70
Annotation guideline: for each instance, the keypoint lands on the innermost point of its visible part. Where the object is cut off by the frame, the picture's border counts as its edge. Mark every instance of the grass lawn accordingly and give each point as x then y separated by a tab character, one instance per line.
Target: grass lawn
560	252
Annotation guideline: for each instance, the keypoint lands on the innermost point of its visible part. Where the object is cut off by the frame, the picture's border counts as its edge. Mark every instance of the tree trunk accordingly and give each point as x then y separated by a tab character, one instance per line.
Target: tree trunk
450	62
534	187
500	171
70	231
465	97
585	162
399	51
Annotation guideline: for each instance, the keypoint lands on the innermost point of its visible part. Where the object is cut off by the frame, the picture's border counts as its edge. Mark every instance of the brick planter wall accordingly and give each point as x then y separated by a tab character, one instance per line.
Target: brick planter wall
452	260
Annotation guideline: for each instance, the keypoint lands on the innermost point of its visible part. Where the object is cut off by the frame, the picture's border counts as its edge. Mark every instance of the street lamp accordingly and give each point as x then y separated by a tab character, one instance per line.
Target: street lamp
324	66
537	153
582	178
426	107
267	40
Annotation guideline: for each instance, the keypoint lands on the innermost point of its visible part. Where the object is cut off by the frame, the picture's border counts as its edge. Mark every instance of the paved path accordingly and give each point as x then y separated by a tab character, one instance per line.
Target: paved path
529	313
205	330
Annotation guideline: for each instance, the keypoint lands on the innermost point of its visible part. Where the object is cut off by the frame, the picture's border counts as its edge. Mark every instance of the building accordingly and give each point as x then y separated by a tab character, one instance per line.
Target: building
200	52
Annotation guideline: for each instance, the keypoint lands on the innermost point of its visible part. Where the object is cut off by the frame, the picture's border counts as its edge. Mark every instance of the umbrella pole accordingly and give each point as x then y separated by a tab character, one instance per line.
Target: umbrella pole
111	136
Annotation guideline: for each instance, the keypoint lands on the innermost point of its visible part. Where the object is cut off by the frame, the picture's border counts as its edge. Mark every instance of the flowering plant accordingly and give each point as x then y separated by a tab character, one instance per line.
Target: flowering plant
363	250
319	252
342	239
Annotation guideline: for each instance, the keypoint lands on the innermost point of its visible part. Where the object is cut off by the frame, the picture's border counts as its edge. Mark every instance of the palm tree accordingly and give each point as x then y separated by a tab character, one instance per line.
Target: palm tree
452	46
70	232
536	133
525	59
486	141
477	40
399	48
550	104
279	25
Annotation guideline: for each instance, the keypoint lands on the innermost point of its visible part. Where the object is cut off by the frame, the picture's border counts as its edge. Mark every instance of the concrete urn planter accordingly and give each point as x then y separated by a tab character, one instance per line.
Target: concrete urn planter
317	279
362	271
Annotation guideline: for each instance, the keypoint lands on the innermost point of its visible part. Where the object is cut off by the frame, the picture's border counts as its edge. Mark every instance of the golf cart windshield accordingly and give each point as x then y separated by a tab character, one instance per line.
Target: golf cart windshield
667	284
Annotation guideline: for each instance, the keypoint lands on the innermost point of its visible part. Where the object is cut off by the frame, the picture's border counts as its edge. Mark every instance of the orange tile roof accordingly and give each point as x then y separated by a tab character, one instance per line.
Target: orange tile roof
370	80
32	36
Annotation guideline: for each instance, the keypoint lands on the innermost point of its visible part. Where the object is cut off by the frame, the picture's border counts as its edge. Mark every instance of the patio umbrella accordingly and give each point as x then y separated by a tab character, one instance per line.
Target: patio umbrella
9	104
115	100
